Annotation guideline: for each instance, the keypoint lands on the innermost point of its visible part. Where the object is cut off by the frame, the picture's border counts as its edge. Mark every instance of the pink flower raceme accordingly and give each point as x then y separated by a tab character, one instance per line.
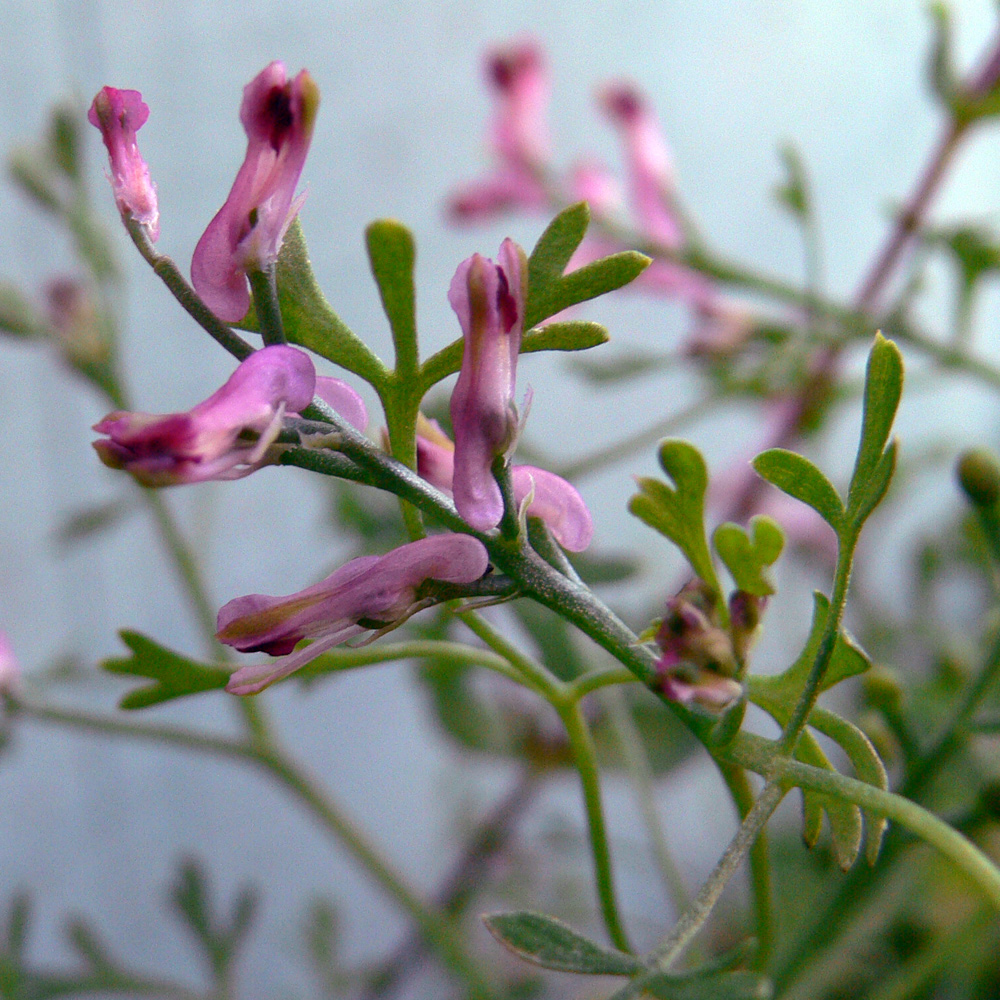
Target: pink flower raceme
552	499
370	593
278	115
518	136
119	114
489	300
226	436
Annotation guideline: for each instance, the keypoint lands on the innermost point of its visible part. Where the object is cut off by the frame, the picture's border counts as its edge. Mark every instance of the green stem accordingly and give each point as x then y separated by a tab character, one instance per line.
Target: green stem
585	759
824	654
440	932
760	755
598	679
694	919
760	865
263	284
641	774
166	270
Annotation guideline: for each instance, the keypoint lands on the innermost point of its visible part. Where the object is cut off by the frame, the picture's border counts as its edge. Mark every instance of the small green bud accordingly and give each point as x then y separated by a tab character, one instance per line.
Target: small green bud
64	139
17	315
979	476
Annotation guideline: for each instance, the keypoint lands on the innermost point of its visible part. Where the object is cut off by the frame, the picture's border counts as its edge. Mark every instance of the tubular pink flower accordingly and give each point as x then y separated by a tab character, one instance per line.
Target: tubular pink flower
10	670
518	136
246	234
553	499
119	114
489	301
224	437
367	594
651	174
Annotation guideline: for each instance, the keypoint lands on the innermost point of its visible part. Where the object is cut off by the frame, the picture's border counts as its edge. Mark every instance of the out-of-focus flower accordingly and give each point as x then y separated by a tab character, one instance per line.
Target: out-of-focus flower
227	435
518	136
74	318
371	593
278	115
697	661
10	670
552	498
650	170
119	114
488	299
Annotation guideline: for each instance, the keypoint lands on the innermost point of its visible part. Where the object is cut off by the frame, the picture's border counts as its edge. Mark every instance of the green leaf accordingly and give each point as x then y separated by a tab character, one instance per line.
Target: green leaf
89	947
943	79
624	367
781	691
867	765
571	335
883	388
550	291
747	557
551	944
799	478
720	986
175	676
575	335
868	494
392	255
679	513
794	193
16	930
309	320
92	521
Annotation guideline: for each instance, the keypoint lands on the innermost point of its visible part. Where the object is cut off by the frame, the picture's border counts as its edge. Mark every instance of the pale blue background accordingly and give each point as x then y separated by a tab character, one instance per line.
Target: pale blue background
96	826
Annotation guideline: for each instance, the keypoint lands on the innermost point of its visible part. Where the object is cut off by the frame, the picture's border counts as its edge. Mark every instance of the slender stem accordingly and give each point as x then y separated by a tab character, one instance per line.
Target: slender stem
529	671
186	566
438	930
598	679
263	284
641	775
166	270
694	919
760	865
585	759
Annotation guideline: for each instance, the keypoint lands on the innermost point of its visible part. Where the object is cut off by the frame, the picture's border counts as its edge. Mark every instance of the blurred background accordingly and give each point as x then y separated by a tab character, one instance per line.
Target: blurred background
95	826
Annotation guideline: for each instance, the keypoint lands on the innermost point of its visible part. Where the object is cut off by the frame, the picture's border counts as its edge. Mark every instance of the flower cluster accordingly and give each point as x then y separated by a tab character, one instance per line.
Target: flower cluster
235	430
523	178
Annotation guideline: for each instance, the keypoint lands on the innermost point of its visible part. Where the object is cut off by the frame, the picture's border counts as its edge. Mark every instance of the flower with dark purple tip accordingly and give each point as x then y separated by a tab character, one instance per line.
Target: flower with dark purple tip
119	114
228	435
368	594
488	299
278	115
518	136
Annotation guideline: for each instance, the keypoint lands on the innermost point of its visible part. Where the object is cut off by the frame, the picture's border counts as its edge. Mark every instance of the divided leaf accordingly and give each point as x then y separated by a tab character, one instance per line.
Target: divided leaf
550	290
392	255
679	513
799	478
875	463
309	319
550	943
175	676
747	557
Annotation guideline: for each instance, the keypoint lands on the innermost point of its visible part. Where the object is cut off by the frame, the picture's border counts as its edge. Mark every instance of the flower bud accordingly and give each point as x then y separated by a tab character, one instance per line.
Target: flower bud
979	476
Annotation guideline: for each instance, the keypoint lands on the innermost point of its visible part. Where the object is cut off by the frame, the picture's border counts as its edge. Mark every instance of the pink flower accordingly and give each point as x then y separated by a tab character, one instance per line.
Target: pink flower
651	173
697	664
246	234
10	671
226	436
119	114
553	499
370	593
489	301
518	136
